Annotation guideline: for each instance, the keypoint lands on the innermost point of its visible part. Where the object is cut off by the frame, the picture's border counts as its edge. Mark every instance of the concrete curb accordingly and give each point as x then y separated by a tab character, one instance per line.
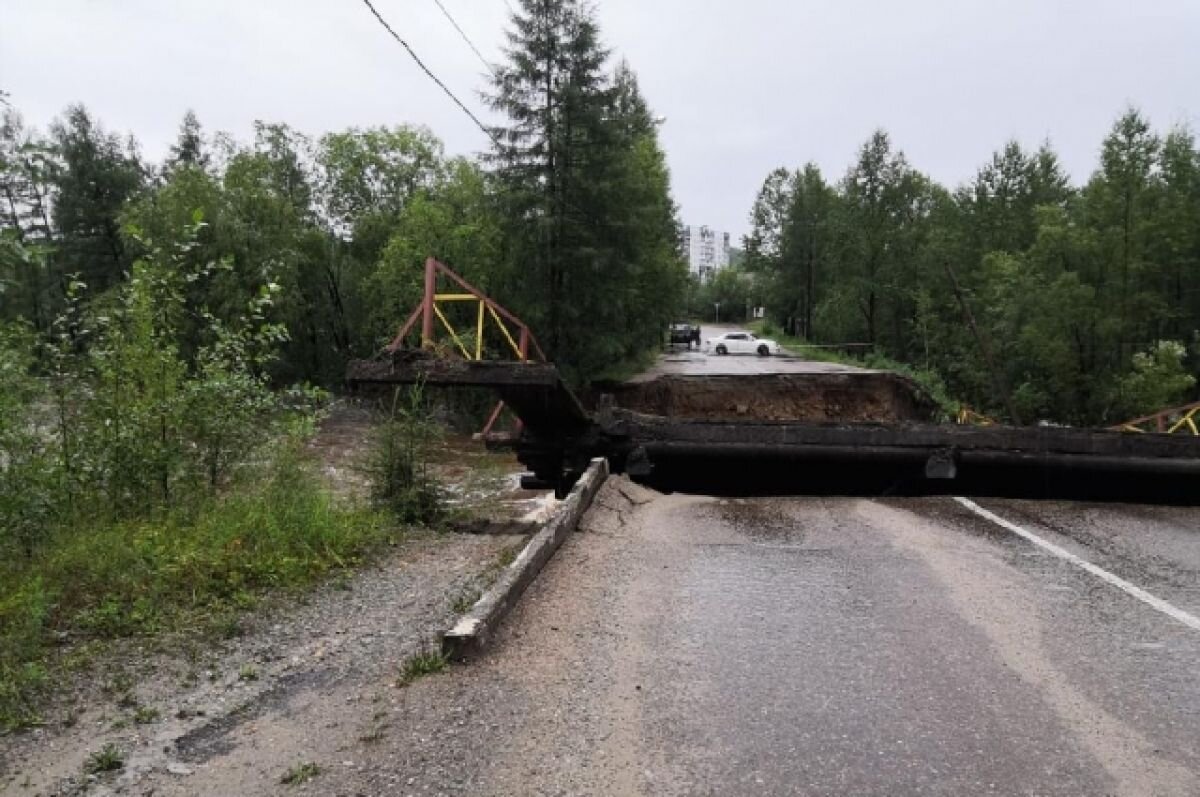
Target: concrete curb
474	630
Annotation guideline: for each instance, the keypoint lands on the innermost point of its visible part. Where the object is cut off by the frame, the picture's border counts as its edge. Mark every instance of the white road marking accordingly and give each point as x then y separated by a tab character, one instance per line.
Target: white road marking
1190	620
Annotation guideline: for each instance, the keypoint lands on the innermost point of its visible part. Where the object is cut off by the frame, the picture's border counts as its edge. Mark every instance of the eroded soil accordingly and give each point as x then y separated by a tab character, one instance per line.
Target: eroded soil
864	396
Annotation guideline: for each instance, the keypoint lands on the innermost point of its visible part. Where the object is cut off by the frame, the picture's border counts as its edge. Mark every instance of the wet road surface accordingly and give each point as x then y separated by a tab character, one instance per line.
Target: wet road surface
680	361
688	645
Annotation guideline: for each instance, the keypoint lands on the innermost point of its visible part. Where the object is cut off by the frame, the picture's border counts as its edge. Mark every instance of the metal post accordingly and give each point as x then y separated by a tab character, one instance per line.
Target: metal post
479	332
427	303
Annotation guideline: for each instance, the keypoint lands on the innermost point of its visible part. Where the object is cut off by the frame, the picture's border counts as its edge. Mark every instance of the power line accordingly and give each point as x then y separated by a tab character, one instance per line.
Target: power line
465	38
434	77
491	136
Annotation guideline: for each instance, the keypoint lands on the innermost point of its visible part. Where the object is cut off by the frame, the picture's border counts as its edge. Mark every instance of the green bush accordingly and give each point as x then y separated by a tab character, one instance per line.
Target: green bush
398	462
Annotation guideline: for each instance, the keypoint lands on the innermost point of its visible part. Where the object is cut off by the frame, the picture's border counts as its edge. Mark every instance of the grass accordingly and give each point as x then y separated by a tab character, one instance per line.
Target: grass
419	665
377	729
373	736
508	555
466	599
145	715
301	773
108	758
192	568
926	379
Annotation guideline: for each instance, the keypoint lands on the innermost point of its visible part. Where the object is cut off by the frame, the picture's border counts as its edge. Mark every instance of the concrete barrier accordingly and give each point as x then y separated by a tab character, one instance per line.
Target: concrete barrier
474	630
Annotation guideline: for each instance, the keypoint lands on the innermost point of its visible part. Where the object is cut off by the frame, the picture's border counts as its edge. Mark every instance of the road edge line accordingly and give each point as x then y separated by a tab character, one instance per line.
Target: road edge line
472	632
1175	613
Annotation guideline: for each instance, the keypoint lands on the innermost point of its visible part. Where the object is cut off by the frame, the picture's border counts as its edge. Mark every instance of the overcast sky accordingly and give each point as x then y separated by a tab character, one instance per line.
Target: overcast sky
746	85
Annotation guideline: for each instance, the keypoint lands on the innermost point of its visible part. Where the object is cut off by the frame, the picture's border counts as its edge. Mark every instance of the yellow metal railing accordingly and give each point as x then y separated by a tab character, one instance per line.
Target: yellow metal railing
968	417
428	314
480	325
1178	420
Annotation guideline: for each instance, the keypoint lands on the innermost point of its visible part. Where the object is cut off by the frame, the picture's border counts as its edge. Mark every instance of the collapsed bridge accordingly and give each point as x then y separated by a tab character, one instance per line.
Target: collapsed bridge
746	455
847	431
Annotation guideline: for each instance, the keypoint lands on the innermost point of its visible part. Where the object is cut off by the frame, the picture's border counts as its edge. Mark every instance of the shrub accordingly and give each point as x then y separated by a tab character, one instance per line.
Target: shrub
1157	379
398	462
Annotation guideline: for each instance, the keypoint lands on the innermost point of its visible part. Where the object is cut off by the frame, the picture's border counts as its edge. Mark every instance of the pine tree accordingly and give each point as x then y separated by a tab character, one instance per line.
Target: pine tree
805	247
188	150
96	175
555	92
1119	199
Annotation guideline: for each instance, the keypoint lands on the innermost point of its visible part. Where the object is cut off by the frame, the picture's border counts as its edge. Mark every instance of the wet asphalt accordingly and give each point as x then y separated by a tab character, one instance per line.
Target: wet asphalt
684	361
816	646
693	645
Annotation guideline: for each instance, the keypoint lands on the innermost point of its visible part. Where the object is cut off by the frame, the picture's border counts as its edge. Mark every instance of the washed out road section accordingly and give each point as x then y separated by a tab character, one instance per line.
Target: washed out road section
697	385
685	645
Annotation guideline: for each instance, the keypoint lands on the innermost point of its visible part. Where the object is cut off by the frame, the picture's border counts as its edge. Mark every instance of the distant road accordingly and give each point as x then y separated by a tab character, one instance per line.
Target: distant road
678	361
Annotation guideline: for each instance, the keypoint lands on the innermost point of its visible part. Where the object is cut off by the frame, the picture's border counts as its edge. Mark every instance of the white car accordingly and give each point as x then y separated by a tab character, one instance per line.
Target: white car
740	343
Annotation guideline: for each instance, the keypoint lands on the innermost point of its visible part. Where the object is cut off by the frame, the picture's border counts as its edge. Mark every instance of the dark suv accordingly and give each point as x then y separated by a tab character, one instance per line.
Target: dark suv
685	333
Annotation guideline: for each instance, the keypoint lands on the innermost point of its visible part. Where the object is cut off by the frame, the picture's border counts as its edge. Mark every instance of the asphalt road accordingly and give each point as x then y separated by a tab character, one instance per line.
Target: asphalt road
691	645
680	361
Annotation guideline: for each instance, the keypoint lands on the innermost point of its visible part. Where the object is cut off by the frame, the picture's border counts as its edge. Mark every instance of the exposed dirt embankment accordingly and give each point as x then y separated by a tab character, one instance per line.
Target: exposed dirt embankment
867	396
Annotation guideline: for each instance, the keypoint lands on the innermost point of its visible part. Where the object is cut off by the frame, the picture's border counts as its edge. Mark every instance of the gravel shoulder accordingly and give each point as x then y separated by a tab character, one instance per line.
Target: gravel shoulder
303	683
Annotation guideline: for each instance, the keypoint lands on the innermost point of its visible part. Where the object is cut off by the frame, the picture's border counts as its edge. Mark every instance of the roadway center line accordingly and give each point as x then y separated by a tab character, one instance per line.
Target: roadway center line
1190	620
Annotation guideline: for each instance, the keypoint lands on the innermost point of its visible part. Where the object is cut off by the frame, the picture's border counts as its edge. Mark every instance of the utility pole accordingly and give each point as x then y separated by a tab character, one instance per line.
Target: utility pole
998	380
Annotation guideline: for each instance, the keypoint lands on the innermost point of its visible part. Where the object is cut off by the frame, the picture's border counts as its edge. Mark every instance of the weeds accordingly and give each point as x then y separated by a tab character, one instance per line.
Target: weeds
145	715
507	556
108	758
377	730
301	773
248	672
178	569
398	463
466	599
426	662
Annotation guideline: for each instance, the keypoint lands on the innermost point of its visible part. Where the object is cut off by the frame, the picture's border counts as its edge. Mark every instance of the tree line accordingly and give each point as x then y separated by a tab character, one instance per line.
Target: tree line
1031	298
154	318
568	219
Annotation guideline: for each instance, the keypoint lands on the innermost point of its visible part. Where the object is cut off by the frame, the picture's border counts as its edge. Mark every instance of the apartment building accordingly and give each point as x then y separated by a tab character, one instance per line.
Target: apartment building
706	250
